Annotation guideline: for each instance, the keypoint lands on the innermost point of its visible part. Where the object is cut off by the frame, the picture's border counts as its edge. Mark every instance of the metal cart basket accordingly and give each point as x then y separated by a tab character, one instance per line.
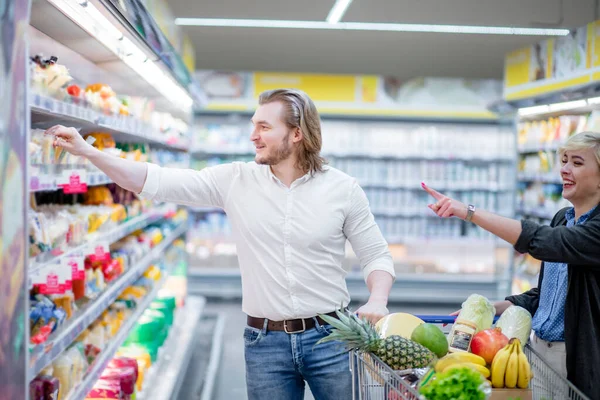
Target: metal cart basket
372	379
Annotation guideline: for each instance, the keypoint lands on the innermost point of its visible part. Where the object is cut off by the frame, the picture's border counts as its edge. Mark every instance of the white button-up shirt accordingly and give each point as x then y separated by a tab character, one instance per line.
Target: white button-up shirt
290	240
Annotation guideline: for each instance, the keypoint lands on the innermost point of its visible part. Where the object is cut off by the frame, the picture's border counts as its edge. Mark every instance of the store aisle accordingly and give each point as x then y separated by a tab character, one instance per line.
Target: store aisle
231	382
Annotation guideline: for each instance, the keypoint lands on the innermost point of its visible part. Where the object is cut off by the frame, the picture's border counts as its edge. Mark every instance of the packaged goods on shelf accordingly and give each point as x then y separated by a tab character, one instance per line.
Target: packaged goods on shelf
142	299
551	132
69	369
539	200
50	79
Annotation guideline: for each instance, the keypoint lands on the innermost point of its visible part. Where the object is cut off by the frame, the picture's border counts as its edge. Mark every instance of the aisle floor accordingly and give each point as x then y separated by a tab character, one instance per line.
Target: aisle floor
230	382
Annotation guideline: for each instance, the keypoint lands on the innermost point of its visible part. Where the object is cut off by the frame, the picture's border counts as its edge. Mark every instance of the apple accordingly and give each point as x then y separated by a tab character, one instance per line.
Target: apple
487	343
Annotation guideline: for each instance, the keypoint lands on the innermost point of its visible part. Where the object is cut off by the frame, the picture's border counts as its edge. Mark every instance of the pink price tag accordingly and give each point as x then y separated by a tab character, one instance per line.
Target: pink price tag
73	181
51	284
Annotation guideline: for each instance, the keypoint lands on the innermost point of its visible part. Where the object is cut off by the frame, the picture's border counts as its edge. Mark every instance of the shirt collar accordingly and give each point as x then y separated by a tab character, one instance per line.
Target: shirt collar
298	181
570	215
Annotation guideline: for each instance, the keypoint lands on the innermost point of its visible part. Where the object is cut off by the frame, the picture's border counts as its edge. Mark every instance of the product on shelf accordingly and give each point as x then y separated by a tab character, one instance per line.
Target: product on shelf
550	132
49	77
70	367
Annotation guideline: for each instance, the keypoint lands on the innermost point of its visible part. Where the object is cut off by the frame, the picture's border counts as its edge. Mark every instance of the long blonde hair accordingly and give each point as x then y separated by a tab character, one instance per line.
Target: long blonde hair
300	112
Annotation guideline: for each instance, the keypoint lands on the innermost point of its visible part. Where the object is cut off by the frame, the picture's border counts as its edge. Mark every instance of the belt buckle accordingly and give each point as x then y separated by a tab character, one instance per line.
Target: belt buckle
298	331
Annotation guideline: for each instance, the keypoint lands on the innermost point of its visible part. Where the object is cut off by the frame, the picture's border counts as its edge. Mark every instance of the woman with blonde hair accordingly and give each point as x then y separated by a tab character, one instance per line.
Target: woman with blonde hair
566	303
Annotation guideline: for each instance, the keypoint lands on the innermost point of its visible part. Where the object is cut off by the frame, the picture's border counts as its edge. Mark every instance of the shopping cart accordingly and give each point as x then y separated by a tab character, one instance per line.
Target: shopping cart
372	379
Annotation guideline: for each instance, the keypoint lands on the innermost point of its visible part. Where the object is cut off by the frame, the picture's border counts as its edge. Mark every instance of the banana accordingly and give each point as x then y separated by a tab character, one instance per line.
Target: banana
499	366
524	370
458	358
512	367
476	367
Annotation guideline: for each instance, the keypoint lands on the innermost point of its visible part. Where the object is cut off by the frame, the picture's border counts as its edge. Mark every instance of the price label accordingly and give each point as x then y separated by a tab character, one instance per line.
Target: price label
77	267
73	181
99	251
49	280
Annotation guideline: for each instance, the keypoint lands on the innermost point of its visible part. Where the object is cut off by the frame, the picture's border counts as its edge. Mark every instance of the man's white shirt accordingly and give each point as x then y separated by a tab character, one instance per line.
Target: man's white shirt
290	241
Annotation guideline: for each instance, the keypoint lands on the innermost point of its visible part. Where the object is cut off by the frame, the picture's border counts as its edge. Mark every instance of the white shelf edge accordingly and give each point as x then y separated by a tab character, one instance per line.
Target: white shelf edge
43	105
93	179
112	236
64	337
175	355
100	363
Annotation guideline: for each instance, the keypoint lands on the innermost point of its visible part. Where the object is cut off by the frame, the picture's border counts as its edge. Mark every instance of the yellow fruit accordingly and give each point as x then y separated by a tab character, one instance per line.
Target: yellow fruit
401	324
512	367
458	358
525	374
476	367
499	366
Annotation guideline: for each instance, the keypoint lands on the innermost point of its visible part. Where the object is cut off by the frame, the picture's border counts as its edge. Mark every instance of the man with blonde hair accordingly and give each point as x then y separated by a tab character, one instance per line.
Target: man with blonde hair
291	216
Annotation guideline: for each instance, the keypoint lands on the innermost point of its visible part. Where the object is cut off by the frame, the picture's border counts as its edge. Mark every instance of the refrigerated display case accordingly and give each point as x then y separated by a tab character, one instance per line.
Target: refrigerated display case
100	264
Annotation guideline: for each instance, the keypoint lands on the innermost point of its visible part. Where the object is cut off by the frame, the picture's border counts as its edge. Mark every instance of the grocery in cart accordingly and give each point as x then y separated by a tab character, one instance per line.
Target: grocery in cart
476	357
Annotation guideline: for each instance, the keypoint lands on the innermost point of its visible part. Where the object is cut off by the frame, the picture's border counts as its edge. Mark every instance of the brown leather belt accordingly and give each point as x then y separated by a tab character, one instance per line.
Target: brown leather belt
289	326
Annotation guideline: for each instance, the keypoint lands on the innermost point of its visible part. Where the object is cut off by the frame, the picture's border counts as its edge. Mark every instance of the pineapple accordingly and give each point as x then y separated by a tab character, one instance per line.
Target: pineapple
397	352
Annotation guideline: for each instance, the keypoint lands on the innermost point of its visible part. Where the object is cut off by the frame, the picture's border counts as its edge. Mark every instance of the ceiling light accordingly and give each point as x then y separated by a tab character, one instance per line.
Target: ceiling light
533	110
367	26
338	10
594	100
568	105
88	17
564	106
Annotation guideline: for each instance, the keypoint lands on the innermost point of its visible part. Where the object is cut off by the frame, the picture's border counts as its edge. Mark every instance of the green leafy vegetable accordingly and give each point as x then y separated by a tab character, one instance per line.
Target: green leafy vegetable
456	384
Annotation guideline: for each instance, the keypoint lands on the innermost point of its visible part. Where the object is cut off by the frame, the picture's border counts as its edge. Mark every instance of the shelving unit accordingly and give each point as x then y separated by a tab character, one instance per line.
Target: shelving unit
44	354
109	237
98	43
46	110
539	195
166	376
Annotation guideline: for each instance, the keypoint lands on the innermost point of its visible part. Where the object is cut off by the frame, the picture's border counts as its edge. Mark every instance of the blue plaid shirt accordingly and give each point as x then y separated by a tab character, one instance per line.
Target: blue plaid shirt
549	319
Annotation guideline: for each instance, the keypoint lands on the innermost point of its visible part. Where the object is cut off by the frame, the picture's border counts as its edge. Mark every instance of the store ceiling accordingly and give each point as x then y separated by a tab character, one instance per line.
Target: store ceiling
404	55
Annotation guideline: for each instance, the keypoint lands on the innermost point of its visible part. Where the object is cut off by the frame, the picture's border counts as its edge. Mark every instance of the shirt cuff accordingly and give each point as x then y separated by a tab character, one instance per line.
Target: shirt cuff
379	266
152	181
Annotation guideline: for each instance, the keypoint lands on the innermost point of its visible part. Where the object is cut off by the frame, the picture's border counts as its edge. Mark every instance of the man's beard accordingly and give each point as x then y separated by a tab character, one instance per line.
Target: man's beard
283	152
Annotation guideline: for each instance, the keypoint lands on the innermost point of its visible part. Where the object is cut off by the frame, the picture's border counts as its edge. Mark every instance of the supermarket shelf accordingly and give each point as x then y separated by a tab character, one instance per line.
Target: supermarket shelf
47	183
47	111
370	156
225	283
44	354
455	187
109	237
543	178
107	354
167	374
68	25
537	147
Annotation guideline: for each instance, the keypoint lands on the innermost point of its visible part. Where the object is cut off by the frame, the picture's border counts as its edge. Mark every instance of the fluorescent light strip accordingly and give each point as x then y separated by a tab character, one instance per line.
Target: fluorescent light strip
87	16
366	26
564	106
338	10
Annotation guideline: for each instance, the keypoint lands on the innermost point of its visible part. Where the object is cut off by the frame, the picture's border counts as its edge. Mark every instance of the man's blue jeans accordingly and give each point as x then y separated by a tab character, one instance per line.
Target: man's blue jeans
278	364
